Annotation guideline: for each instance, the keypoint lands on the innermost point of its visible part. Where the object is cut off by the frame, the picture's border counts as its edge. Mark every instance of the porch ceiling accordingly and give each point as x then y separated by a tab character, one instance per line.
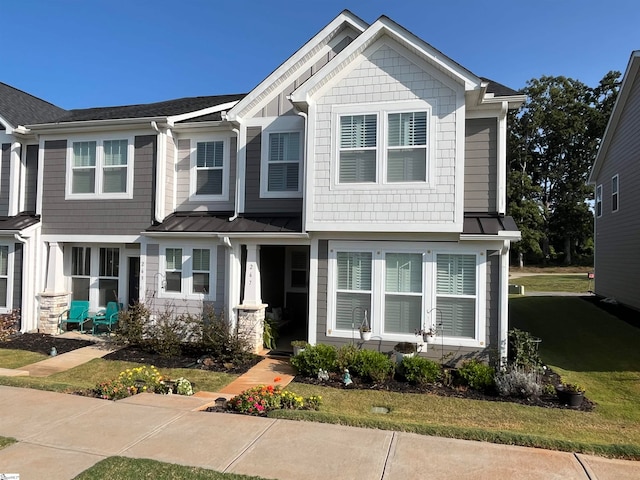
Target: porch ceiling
219	223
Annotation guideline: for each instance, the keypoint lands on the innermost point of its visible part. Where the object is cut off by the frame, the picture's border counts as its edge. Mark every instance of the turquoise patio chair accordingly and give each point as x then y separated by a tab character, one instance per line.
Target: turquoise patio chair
78	312
108	317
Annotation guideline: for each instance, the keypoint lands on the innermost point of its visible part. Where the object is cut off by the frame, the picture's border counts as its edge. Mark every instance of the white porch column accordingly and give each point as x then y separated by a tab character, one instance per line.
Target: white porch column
503	310
252	290
55	269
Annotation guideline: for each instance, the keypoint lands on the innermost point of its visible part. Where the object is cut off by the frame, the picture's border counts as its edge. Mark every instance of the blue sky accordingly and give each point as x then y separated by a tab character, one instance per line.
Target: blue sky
87	53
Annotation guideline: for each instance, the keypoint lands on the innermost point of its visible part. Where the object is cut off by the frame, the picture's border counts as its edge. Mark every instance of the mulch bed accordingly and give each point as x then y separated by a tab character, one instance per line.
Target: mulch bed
42	343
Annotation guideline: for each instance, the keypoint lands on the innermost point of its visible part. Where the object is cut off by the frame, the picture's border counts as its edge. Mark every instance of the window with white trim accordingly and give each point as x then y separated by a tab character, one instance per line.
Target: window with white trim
358	148
209	168
456	294
4	275
599	201
284	162
614	193
95	274
383	143
404	287
187	272
100	168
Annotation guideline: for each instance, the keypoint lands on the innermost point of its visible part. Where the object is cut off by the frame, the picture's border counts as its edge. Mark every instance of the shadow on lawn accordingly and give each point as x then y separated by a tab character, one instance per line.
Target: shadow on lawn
580	333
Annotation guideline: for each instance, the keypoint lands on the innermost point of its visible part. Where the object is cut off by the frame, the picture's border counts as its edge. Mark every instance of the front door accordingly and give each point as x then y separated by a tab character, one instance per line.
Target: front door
134	280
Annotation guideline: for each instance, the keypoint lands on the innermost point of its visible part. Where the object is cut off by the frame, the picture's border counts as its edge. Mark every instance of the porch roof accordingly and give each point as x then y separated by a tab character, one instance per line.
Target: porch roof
218	222
18	222
487	224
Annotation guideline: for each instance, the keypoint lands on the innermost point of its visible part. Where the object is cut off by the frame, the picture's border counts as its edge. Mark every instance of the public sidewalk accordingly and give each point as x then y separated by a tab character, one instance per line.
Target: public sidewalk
61	435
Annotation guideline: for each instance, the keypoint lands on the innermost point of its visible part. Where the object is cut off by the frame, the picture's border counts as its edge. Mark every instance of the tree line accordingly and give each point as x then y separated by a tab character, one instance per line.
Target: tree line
552	143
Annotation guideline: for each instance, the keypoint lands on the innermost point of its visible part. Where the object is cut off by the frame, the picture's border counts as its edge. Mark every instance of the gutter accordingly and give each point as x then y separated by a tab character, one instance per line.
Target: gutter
258	235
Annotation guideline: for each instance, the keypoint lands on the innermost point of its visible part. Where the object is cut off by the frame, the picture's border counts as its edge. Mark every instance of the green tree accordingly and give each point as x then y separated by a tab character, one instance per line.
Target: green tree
553	140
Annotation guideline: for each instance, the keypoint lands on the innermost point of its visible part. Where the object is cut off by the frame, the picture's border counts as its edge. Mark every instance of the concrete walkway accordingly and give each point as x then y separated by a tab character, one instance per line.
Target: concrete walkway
61	435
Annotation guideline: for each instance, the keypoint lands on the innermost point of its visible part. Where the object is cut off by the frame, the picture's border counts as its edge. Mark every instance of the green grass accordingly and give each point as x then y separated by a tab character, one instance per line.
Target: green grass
18	358
99	370
6	441
581	342
554	283
116	468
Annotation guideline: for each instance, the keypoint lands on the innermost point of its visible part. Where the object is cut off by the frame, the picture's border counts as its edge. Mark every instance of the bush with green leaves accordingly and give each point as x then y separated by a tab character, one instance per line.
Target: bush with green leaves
347	357
132	324
315	357
9	323
262	399
373	365
420	370
518	382
477	375
167	334
523	350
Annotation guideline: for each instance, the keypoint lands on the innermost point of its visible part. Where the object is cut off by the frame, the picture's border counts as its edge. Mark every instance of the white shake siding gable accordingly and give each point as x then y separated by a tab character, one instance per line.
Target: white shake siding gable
385	79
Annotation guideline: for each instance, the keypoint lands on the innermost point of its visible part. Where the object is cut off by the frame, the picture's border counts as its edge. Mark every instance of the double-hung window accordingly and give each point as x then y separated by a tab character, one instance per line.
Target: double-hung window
456	294
95	274
403	293
284	162
4	275
614	193
209	168
599	201
353	289
407	147
358	148
187	272
100	168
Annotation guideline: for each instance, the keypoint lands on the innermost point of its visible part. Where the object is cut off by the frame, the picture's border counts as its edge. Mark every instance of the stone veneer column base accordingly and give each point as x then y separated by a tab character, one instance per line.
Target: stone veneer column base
51	306
251	325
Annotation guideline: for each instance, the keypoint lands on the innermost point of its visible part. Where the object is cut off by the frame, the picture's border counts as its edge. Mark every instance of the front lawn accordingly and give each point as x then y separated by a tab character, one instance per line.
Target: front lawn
581	342
10	358
554	283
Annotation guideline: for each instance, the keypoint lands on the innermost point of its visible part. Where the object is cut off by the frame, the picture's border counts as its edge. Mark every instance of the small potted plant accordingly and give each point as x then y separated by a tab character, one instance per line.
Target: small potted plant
365	332
404	349
428	335
298	346
570	394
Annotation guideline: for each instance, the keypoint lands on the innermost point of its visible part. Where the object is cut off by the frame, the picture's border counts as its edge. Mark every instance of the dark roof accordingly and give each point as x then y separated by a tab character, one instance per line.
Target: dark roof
20	108
158	109
498	89
485	224
18	222
192	222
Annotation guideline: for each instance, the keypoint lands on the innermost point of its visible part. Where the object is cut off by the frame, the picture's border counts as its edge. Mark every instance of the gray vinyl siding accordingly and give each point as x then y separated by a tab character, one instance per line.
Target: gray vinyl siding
617	249
5	172
170	175
31	178
253	202
481	165
434	352
98	217
17	275
183	173
180	306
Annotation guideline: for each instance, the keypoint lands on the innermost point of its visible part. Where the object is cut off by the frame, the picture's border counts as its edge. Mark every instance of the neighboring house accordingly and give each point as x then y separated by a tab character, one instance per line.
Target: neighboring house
365	176
616	176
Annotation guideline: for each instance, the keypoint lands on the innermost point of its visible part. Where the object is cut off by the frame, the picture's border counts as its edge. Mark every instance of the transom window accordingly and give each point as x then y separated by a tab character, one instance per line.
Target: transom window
187	272
285	153
100	168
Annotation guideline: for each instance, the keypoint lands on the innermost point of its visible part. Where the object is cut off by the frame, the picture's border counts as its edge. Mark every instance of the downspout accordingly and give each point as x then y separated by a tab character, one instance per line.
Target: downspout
26	312
158	213
236	195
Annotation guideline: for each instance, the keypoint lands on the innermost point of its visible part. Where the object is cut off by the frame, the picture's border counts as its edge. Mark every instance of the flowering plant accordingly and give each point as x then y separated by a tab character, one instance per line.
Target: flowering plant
262	399
184	387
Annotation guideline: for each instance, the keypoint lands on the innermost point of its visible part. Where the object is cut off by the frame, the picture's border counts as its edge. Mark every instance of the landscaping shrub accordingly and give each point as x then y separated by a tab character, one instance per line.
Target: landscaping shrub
523	350
262	399
314	358
518	382
373	365
477	375
166	335
218	339
347	357
420	370
9	324
132	324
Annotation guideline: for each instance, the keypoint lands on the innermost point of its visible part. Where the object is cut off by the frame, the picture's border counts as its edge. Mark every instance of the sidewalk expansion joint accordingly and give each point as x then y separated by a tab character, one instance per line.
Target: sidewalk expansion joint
387	459
584	467
255	440
152	432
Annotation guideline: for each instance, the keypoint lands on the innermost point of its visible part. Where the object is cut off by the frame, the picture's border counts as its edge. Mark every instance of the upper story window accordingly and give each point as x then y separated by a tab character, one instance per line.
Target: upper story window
100	168
614	193
383	144
599	201
209	168
283	170
281	157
